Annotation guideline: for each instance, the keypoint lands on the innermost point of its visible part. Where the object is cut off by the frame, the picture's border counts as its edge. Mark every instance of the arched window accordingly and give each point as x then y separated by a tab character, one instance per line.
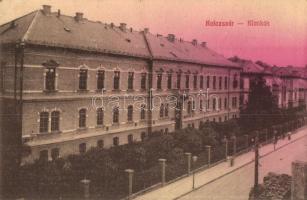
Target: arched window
214	104
208	81
116	80
130	113
220	82
55	121
189	107
195	82
220	104
178	80
169	81
162	110
225	103
130	80
50	79
187	81
201	82
100	79
115	141
99	116
214	82
82	118
143	81
83	79
115	115
143	112
166	110
159	80
235	81
226	82
43	122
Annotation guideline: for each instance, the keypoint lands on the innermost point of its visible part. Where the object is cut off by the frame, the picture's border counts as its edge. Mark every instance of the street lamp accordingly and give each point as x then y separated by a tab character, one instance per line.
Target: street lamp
194	159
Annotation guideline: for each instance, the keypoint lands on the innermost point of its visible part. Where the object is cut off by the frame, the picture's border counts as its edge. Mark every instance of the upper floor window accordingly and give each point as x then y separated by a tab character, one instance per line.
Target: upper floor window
100	79
130	80
83	79
234	102
178	80
208	103
214	82
143	81
201	105
195	82
225	103
208	81
50	79
235	81
226	82
130	113
116	115
55	121
220	82
143	112
116	80
169	81
214	104
220	104
43	122
187	81
159	81
201	82
241	83
82	118
166	110
99	116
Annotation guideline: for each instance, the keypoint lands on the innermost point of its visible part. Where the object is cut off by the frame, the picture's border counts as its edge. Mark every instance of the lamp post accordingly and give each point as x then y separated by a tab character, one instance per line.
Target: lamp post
194	158
226	147
162	163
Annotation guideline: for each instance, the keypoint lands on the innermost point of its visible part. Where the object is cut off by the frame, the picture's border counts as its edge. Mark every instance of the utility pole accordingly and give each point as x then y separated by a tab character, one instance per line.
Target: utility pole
256	164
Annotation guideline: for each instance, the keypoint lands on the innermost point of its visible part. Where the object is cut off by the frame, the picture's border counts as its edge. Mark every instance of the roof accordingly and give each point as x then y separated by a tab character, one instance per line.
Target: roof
249	66
299	72
178	49
56	30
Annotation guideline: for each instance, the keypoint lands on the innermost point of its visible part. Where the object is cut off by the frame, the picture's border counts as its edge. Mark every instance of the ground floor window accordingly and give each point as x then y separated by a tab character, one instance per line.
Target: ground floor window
55	153
130	138
43	155
100	143
115	141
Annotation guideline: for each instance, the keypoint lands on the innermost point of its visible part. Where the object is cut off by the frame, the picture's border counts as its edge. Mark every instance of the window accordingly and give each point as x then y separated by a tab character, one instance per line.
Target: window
235	82
43	155
143	112
100	143
208	104
214	104
234	102
99	116
115	141
143	81
143	136
201	82
130	113
159	81
220	104
55	153
225	103
208	81
82	118
166	130
214	82
116	80
226	82
55	121
169	81
130	139
193	106
187	81
115	115
166	110
162	110
241	83
43	122
195	82
82	148
201	105
220	82
189	107
50	79
178	80
130	80
83	79
100	79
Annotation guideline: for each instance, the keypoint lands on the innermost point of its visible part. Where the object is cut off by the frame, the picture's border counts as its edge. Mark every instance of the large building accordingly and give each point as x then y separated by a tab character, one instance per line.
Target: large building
69	83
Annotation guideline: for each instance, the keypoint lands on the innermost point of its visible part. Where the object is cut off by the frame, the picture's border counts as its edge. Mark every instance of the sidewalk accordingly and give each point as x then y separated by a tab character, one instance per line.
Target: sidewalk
183	186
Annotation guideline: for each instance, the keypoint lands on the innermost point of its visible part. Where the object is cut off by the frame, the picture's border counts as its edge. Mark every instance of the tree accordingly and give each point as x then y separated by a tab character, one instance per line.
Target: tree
261	110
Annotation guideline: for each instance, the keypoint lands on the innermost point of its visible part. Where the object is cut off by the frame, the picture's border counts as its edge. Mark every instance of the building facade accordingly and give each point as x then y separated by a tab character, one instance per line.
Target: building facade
69	84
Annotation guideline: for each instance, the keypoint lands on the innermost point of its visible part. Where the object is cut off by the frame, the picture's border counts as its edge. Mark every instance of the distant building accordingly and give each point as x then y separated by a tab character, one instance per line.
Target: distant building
55	70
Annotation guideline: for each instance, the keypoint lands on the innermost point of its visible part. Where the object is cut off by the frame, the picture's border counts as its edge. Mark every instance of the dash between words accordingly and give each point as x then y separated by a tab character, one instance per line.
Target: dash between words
232	23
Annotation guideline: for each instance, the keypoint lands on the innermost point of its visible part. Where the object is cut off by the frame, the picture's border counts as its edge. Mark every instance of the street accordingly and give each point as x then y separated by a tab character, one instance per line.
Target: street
224	182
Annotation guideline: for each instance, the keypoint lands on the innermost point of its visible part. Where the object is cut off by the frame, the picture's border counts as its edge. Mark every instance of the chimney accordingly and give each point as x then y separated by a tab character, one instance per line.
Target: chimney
194	42
46	9
146	30
59	13
79	16
122	26
204	44
171	37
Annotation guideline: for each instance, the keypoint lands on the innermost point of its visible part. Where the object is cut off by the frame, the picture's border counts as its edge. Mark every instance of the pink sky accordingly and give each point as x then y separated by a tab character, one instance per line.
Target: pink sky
284	42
